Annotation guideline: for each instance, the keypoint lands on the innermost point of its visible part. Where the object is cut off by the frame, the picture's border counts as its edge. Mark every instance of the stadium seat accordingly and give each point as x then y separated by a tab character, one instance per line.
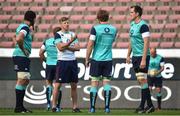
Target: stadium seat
36	44
147	17
177	44
151	2
9	35
51	10
60	16
48	19
8	10
121	10
40	3
154	44
122	44
90	17
138	1
79	10
174	18
86	27
74	27
65	10
12	2
37	9
83	37
6	44
3	28
12	27
5	18
1	35
149	10
163	9
82	2
44	27
40	36
161	18
108	8
83	44
176	9
76	19
156	27
93	10
25	2
54	2
21	10
17	18
167	40
171	27
118	26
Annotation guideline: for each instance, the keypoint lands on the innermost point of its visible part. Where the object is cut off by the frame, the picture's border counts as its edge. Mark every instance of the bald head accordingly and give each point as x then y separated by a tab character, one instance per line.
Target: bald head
153	52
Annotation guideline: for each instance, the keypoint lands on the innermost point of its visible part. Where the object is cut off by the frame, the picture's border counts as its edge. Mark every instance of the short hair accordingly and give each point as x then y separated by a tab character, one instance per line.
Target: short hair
56	29
103	15
30	16
62	19
137	9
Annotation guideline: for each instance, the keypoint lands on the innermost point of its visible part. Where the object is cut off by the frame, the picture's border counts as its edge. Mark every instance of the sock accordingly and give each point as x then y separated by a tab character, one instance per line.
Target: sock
20	92
48	94
144	87
148	97
107	95
159	99
93	96
59	99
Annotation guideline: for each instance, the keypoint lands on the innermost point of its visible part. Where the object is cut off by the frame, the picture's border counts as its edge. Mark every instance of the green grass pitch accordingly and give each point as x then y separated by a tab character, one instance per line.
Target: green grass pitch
117	112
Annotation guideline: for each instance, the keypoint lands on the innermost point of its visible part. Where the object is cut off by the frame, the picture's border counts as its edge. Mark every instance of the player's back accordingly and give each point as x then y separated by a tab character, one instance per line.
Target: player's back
105	36
27	40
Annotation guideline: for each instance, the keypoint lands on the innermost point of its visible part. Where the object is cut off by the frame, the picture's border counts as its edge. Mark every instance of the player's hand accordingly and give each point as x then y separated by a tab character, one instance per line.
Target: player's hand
128	60
87	62
26	52
143	64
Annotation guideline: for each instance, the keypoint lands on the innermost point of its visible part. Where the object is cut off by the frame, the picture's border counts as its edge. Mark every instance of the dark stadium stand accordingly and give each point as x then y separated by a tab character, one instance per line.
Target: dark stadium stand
163	17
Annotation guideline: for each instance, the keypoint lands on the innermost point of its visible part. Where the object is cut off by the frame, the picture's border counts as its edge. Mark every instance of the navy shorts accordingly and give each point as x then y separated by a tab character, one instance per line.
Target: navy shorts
136	61
50	72
67	71
21	64
101	68
155	81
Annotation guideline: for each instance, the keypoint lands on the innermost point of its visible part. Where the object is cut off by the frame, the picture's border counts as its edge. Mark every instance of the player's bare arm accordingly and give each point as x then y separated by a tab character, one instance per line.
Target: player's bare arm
129	53
88	52
20	41
41	55
145	50
76	47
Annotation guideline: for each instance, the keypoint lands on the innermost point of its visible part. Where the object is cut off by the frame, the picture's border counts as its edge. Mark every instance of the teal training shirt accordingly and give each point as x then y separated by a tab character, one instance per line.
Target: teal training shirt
51	51
103	36
137	30
155	63
27	40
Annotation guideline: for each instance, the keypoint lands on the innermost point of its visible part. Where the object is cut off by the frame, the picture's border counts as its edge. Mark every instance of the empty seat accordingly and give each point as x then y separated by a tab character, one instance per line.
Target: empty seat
83	44
147	17
9	35
8	10
12	2
51	10
83	37
108	8
76	18
154	44
48	18
171	27
121	10
86	27
36	44
54	2
90	17
12	27
161	18
138	1
6	44
37	9
149	10
174	18
44	27
25	2
40	2
163	9
3	27
177	44
18	18
167	40
118	26
79	10
93	10
1	34
156	27
176	9
122	44
74	27
40	36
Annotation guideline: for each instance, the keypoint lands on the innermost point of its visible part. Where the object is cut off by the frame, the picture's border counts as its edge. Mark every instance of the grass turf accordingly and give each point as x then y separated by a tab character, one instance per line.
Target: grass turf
122	112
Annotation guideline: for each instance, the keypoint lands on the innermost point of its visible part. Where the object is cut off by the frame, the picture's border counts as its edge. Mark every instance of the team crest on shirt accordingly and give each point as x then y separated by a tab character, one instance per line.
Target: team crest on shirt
107	30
